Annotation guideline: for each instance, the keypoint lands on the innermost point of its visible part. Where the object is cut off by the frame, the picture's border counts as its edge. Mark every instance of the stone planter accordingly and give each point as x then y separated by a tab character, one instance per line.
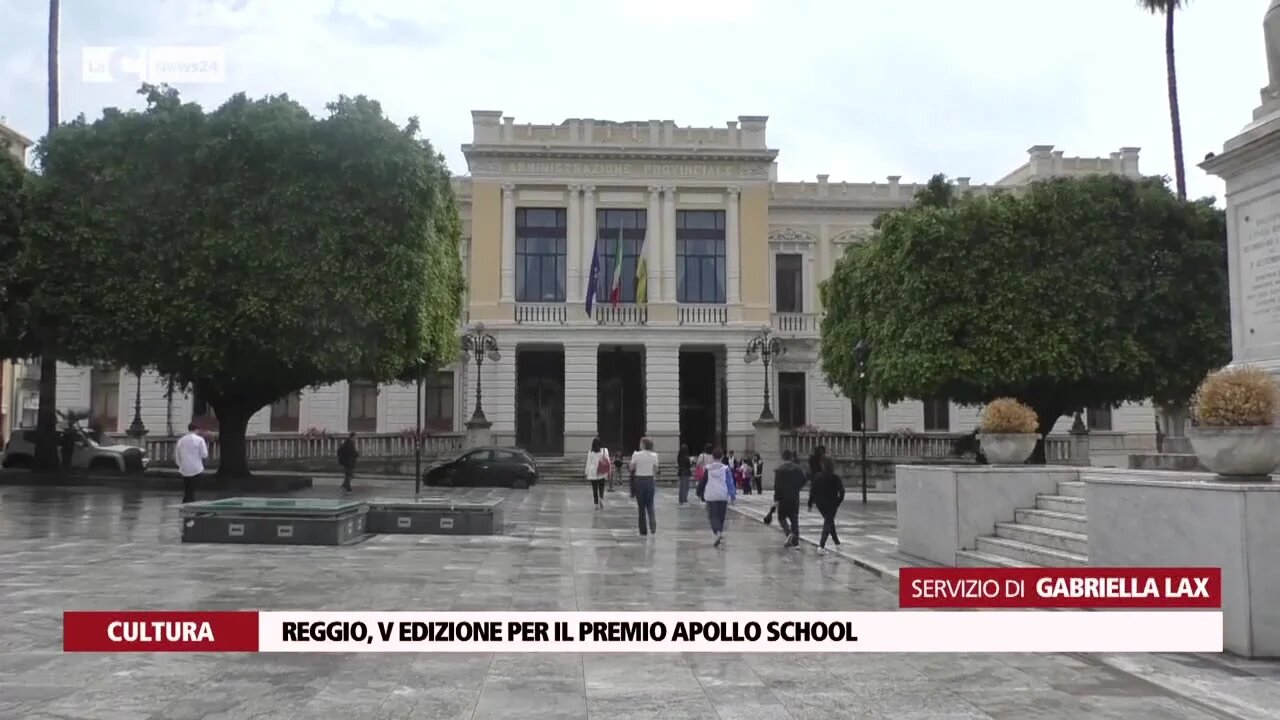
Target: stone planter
1237	453
1008	448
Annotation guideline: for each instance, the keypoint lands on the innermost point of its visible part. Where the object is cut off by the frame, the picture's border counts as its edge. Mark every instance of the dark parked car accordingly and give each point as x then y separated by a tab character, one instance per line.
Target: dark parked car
486	467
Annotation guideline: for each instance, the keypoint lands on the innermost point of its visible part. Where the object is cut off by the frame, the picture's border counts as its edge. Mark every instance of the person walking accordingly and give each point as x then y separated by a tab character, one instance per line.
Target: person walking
757	473
788	480
598	465
617	471
717	490
190	452
684	471
827	492
347	455
644	468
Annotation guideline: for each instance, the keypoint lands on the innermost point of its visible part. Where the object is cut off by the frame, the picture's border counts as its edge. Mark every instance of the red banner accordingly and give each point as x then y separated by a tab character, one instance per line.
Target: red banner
124	631
1085	587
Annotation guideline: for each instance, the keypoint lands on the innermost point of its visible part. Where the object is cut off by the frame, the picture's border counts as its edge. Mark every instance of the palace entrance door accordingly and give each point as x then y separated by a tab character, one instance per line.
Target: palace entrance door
540	401
620	416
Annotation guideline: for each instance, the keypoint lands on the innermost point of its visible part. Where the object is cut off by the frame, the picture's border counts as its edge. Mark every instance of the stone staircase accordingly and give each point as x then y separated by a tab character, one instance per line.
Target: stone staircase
570	471
1052	534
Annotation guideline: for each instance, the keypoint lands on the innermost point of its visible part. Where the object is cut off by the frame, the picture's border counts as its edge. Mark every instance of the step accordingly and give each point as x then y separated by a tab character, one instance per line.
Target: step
1028	553
1071	522
1046	537
1071	488
977	558
1060	503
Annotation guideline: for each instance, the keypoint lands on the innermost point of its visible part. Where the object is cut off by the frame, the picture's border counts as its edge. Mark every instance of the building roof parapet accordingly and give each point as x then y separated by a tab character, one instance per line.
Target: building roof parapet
491	127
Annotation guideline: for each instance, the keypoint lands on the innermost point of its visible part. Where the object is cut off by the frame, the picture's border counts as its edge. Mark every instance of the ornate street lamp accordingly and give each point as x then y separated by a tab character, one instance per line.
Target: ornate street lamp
481	345
766	347
861	352
137	430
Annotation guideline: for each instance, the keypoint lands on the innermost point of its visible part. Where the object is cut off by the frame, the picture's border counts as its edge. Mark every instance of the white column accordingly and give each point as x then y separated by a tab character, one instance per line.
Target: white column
580	404
574	246
588	233
655	247
810	282
662	397
508	243
669	242
731	246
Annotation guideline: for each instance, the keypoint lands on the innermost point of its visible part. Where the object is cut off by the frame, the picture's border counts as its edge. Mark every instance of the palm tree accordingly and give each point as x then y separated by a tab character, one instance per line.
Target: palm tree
1168	8
46	417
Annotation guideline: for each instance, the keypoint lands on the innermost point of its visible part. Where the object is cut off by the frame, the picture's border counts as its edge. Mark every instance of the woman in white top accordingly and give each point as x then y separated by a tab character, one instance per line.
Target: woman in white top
597	470
644	466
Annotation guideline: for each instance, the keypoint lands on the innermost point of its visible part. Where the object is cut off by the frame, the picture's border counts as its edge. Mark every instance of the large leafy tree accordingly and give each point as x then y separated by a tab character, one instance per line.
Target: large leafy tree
14	194
252	251
1079	292
1168	8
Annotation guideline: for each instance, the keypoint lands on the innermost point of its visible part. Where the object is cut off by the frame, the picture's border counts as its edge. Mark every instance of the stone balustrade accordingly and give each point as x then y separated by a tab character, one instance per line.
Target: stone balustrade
306	446
924	446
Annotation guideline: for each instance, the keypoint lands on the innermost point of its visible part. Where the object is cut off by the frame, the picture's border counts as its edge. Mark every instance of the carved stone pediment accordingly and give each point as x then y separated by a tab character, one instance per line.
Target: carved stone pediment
791	235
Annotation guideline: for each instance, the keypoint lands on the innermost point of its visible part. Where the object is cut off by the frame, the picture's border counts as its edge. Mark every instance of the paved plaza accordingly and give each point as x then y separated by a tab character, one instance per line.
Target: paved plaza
107	549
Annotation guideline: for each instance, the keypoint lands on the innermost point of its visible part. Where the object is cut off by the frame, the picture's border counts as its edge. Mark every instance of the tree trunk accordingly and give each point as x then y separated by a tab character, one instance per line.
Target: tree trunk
46	416
1048	416
233	424
1175	118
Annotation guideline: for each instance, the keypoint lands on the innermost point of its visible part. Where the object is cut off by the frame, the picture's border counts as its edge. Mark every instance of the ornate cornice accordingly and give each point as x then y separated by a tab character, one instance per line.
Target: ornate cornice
607	153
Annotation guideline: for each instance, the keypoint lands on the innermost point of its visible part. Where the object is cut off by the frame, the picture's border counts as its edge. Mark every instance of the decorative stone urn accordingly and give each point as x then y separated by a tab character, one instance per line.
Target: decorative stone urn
1008	448
1237	453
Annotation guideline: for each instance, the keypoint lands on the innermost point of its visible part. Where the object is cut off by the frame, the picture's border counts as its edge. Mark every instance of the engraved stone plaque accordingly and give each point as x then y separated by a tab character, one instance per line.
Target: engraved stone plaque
1259	267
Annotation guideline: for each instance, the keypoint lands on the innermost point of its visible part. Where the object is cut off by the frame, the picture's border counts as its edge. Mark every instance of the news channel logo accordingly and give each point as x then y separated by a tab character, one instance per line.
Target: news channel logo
173	65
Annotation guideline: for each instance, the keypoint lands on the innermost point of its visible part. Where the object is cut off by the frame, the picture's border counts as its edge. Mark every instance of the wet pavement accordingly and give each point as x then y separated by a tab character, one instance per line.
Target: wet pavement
81	548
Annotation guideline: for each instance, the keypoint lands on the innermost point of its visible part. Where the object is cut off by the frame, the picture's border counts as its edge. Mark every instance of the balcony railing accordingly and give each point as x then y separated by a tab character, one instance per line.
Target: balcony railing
541	313
796	324
897	445
305	446
702	315
622	314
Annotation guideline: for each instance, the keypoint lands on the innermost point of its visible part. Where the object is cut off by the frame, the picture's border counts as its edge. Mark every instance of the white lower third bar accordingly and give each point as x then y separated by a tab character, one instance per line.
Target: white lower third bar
1021	631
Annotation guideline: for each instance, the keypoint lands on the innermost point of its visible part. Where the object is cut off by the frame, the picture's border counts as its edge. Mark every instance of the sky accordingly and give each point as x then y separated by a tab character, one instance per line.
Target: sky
857	89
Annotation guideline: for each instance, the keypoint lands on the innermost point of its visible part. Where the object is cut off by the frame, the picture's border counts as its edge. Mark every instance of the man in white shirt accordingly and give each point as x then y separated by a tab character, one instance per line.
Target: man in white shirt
644	466
190	454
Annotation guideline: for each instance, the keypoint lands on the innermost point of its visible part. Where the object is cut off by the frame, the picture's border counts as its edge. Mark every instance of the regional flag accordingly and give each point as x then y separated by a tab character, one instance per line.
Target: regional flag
615	293
642	273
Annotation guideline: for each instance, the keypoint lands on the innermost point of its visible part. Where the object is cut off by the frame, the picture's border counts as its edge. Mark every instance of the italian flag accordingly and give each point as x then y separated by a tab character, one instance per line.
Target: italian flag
615	293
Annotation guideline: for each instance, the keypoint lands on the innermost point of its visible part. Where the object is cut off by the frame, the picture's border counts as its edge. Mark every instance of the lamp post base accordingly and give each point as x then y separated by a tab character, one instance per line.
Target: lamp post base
479	432
768	443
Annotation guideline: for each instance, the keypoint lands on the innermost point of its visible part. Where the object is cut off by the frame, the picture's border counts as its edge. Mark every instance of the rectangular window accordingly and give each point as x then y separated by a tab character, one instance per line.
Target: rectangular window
284	413
104	399
1099	419
789	283
540	254
873	419
362	412
437	391
791	400
937	415
629	228
202	413
700	263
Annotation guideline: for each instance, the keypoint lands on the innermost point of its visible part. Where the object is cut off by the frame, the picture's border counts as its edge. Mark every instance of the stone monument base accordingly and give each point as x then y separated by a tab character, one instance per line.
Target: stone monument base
435	516
274	521
1182	519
